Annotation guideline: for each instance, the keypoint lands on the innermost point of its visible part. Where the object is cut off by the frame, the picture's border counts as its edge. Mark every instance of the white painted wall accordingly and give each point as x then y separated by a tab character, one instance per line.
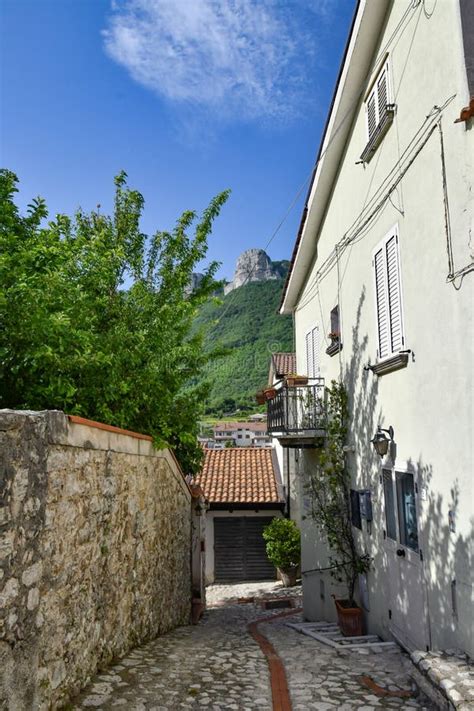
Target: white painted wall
430	402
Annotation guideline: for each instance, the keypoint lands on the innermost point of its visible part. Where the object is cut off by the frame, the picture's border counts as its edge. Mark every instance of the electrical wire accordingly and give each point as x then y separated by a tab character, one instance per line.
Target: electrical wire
410	8
377	202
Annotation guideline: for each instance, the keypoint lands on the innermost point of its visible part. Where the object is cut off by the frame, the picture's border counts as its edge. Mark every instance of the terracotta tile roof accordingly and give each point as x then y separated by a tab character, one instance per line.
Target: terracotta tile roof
284	363
252	426
240	475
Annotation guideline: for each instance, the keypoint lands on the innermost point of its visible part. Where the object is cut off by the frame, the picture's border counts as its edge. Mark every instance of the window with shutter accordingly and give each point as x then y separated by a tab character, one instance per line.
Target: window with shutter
312	352
388	297
377	101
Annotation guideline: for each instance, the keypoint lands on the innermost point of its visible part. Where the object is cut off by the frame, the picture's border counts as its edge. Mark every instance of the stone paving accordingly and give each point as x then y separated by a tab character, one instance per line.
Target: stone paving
450	674
322	678
217	665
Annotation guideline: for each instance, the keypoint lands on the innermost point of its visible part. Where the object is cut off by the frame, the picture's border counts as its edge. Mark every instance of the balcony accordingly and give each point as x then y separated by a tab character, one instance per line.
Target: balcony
296	416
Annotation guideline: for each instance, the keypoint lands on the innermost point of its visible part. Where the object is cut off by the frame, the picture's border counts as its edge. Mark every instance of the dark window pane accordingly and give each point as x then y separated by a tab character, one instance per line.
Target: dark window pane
407	511
389	505
355	509
335	320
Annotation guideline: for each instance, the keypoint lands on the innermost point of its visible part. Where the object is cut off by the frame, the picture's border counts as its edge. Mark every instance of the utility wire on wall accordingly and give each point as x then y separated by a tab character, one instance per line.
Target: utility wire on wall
399	27
378	201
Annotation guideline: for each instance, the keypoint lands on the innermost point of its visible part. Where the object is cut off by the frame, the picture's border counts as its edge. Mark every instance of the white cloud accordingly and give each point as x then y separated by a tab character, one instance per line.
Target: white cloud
246	59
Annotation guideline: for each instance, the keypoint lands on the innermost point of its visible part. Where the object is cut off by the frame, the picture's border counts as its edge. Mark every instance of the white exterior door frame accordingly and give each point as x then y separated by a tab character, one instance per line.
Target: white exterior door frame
407	593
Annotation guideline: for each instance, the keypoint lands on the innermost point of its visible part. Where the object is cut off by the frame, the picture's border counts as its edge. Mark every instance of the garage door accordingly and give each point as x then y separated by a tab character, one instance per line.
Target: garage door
239	550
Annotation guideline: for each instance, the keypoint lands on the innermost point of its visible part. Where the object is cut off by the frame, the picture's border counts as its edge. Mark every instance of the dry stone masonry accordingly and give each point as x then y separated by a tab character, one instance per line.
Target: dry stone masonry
95	531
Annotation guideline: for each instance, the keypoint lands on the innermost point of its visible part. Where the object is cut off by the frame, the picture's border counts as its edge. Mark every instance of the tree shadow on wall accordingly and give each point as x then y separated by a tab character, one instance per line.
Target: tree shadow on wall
427	598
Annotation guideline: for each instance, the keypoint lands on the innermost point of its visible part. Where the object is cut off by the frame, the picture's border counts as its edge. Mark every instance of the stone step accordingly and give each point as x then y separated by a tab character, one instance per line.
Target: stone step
330	634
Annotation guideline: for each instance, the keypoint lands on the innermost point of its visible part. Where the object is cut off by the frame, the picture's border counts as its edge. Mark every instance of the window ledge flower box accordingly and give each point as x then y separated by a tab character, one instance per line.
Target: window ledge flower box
335	346
388	365
294	381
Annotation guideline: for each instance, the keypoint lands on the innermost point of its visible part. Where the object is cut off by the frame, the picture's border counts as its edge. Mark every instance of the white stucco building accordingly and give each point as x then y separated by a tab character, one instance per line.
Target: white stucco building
384	262
242	434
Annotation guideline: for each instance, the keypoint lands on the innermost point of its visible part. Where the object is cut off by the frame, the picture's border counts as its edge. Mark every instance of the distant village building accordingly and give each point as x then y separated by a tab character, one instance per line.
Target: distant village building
242	434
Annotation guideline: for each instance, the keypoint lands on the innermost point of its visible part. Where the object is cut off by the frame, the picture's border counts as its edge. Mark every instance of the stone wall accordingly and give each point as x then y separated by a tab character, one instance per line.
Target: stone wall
95	531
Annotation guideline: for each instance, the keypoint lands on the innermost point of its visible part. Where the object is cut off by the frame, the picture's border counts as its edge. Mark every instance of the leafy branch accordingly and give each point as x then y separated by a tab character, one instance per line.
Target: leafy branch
329	487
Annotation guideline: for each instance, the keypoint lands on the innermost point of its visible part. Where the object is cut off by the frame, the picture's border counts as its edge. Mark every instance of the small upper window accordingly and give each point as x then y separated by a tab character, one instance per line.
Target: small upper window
379	111
335	328
377	101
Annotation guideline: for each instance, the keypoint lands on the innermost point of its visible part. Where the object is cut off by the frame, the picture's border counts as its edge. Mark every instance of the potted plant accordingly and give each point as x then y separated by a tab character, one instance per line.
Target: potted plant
293	380
329	488
260	397
283	544
197	607
270	393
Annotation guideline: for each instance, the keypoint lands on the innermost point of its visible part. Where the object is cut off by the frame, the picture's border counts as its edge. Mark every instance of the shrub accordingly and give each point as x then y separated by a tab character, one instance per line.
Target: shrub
283	541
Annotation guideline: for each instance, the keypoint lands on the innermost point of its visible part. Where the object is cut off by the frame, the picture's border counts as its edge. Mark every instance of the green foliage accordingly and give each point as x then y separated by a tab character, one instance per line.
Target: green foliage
283	543
246	325
329	487
95	319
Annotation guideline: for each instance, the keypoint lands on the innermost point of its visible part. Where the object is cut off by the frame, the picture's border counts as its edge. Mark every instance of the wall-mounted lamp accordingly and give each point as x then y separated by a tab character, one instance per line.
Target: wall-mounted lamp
381	442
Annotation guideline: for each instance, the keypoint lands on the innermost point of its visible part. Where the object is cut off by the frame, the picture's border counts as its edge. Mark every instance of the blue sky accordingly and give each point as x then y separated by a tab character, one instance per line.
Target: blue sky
188	96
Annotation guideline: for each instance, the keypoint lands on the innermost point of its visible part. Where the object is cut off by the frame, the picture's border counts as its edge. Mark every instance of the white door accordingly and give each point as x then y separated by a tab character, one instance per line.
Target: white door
407	599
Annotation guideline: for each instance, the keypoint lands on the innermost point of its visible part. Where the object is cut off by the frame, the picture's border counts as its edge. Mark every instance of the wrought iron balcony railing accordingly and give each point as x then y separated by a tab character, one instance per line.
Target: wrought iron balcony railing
298	412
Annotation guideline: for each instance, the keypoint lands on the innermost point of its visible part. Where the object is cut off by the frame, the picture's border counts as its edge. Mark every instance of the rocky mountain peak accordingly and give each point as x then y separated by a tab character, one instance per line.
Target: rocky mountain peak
252	265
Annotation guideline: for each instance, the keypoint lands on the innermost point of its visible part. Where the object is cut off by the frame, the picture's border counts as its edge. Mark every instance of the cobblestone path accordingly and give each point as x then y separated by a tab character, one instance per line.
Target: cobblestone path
218	665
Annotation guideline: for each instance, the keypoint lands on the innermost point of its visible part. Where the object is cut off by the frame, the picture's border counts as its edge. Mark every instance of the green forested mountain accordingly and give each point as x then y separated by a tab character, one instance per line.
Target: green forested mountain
250	329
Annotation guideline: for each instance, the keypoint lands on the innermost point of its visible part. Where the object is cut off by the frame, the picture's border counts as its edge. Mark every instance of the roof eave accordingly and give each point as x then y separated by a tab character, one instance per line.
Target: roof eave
364	34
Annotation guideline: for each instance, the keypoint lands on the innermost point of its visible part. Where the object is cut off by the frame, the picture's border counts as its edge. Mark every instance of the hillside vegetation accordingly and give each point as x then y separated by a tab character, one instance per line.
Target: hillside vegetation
250	330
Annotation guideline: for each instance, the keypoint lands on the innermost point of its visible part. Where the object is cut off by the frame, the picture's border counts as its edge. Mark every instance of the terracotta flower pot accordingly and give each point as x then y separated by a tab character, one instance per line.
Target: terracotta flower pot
270	393
197	608
293	381
288	576
260	398
349	618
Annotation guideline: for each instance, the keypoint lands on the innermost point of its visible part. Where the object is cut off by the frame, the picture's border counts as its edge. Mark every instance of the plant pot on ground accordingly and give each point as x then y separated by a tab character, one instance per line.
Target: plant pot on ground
349	617
283	545
289	576
197	608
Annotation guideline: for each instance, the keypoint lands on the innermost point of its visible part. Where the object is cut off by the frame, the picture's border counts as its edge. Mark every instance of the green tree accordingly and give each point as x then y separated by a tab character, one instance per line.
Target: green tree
95	316
329	487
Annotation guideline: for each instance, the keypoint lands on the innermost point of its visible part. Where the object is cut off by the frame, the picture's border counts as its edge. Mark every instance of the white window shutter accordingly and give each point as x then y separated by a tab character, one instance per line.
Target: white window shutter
309	354
394	294
388	296
315	332
382	93
312	352
371	115
381	304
